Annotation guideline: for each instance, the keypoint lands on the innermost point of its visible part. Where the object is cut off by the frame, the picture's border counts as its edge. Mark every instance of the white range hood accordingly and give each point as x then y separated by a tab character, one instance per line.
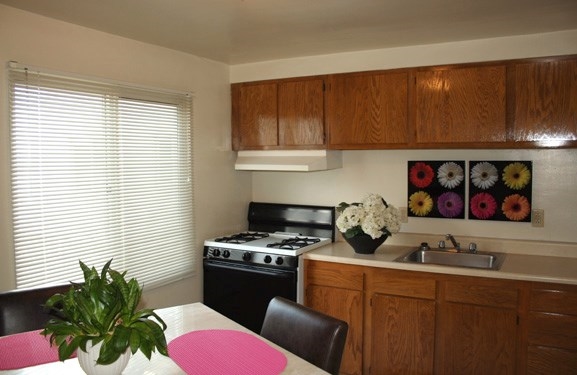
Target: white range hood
288	160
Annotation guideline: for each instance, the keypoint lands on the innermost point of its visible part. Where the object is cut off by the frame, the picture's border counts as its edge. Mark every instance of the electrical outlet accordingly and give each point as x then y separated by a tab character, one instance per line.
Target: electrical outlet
404	214
538	218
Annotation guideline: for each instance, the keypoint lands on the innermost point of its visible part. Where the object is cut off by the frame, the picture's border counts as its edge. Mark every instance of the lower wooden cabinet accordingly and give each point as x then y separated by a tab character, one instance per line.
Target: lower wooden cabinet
409	322
477	326
552	329
402	335
337	290
400	324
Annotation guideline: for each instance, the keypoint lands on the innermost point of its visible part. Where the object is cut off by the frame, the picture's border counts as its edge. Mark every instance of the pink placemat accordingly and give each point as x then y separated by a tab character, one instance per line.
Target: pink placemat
26	349
226	352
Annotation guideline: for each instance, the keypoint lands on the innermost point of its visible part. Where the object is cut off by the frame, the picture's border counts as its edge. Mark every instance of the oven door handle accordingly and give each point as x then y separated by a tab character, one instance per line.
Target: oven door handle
280	273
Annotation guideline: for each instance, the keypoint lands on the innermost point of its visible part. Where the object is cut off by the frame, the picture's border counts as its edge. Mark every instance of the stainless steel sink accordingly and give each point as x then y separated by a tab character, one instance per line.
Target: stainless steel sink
483	260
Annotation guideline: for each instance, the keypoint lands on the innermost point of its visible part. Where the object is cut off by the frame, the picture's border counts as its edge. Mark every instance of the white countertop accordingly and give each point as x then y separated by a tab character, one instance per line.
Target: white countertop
554	269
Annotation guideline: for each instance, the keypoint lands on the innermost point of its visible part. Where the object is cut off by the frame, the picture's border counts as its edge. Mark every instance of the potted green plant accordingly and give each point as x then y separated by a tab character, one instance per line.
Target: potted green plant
103	313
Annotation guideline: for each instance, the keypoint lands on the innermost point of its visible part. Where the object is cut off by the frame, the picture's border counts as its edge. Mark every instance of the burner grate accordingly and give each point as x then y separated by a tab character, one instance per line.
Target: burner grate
293	243
242	237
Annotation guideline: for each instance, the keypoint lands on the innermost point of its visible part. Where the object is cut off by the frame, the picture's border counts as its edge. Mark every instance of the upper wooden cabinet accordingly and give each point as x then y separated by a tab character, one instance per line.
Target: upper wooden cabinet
529	103
545	101
368	110
284	114
460	105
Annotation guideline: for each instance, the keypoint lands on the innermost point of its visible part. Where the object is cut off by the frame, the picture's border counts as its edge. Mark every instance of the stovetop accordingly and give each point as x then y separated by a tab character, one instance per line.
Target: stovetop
277	234
271	243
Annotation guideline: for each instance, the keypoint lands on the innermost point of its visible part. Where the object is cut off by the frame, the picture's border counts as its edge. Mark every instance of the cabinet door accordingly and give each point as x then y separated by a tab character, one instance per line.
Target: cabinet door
278	114
301	113
477	326
346	305
367	111
461	105
476	339
402	333
255	116
546	102
337	290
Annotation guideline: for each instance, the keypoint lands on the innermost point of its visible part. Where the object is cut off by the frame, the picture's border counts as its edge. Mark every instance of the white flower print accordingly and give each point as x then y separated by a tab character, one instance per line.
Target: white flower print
484	175
450	175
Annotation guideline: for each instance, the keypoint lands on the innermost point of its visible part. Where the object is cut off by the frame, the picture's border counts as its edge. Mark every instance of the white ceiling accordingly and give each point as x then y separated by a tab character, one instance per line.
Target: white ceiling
244	31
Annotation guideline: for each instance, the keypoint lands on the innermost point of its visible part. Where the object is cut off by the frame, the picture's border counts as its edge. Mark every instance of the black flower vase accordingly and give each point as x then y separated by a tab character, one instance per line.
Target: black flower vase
365	244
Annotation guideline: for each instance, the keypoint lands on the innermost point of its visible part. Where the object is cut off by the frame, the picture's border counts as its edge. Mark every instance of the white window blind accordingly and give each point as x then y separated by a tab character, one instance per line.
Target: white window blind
99	171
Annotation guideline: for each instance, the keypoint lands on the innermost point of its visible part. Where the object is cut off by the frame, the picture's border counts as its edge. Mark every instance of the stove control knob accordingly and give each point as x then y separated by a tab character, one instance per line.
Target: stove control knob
246	256
267	259
216	252
279	261
226	253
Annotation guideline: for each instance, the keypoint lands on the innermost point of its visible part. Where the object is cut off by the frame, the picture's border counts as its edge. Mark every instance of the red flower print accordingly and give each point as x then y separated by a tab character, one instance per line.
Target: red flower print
483	206
421	175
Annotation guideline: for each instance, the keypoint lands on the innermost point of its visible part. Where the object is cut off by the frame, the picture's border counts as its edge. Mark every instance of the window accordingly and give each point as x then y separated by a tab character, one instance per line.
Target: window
99	171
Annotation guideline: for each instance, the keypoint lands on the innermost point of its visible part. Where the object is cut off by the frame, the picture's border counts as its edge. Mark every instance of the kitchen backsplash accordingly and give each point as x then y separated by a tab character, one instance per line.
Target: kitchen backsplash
554	190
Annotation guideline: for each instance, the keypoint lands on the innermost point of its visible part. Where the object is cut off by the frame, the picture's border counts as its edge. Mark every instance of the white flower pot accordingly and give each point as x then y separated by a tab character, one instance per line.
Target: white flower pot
88	359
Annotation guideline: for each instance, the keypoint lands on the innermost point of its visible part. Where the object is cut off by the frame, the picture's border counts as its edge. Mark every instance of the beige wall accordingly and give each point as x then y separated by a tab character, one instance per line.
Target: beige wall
385	172
220	193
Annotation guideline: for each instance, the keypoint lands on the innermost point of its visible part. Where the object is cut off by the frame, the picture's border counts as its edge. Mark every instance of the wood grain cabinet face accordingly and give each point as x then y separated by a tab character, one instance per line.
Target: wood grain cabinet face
401	328
257	115
526	103
337	290
301	113
477	327
278	115
367	111
403	335
461	105
545	101
423	323
552	329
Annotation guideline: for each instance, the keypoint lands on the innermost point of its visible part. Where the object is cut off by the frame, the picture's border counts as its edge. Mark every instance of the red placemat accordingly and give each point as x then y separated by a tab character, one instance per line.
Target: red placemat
225	352
26	349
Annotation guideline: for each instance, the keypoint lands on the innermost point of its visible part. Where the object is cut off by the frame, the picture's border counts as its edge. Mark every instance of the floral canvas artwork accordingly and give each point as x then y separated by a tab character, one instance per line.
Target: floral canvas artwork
436	189
500	190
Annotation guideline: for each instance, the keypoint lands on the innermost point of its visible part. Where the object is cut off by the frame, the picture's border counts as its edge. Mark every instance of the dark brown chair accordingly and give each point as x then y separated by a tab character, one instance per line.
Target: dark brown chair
22	310
311	335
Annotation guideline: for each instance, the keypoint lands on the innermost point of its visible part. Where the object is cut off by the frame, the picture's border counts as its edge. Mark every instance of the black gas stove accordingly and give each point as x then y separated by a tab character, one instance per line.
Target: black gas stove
243	271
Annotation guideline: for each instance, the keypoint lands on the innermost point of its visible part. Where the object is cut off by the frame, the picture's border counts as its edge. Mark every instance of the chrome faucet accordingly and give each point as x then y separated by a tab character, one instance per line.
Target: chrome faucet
456	245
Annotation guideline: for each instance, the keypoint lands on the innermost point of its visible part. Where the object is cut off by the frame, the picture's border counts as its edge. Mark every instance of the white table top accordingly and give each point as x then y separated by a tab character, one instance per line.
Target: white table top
180	320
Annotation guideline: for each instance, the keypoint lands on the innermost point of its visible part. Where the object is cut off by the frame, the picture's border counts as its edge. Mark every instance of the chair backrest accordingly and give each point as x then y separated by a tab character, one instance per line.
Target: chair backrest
22	310
311	335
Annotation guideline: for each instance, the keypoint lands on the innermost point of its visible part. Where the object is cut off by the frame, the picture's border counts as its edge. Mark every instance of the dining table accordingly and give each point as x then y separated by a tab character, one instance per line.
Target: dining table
210	343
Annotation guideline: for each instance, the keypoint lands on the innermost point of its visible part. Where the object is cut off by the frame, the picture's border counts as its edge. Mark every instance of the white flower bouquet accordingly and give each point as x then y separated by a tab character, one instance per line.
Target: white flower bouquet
372	216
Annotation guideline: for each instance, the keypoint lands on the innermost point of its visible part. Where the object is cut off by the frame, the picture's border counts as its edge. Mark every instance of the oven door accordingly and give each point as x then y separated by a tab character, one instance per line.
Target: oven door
242	292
